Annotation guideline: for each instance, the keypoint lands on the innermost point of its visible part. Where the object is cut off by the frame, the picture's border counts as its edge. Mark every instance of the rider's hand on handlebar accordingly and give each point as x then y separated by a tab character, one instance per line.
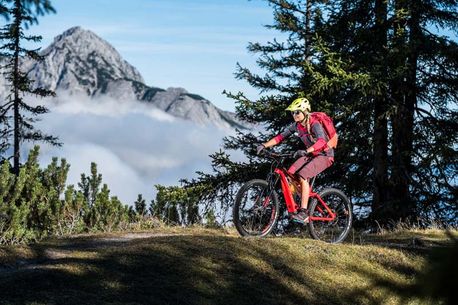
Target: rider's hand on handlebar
300	153
260	148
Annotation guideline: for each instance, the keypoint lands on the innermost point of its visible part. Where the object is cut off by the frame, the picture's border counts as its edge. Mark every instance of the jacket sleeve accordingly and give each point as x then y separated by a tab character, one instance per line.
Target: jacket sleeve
321	138
286	133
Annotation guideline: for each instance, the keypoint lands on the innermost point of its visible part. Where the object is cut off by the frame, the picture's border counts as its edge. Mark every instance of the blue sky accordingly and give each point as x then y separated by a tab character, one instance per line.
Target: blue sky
194	44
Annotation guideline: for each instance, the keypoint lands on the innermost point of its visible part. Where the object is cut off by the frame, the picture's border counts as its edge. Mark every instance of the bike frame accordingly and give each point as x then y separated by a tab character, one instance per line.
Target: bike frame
291	204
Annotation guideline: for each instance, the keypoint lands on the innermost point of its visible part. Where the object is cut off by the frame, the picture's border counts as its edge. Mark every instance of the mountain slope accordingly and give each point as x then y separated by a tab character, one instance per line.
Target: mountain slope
80	62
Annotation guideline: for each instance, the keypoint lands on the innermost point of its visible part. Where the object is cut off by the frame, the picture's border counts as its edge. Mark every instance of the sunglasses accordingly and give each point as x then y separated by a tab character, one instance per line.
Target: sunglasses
297	112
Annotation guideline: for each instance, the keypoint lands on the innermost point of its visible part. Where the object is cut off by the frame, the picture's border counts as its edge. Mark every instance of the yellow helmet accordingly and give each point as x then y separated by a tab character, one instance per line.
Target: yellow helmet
301	104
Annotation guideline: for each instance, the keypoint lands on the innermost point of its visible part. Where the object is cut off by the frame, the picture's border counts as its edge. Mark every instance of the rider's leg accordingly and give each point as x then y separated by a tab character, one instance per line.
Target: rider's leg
305	187
311	169
302	215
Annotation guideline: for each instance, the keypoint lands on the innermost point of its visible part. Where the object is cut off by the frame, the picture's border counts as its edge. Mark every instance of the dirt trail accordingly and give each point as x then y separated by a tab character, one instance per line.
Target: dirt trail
50	256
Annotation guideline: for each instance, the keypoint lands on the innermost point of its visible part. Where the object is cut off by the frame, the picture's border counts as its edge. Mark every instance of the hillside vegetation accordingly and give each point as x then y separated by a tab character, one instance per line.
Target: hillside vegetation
203	266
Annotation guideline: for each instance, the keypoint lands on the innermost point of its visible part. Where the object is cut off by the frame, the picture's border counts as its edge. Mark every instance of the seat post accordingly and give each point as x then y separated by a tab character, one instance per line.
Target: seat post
312	182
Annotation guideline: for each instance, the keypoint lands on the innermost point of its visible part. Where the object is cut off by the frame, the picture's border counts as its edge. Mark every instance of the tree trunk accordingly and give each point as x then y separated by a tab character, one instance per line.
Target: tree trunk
403	123
380	148
407	208
17	127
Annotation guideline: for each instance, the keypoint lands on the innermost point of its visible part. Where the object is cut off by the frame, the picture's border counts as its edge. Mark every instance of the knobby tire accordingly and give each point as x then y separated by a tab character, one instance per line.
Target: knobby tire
334	231
256	209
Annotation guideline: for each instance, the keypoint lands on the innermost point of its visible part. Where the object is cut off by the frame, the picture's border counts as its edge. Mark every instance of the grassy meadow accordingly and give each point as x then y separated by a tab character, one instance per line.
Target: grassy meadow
205	266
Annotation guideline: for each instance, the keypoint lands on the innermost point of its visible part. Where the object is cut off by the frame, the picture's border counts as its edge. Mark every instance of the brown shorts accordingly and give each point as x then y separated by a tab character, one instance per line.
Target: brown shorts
307	168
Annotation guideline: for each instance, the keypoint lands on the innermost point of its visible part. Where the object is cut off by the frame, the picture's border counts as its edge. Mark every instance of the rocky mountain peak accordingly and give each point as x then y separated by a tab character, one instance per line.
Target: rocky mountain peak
87	45
80	61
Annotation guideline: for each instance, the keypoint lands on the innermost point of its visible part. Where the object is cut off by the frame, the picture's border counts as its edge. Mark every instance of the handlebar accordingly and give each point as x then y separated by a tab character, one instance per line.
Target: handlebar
274	155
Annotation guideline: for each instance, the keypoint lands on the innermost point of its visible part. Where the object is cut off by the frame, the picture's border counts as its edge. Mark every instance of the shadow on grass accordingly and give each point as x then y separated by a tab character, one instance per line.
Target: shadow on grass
164	270
211	270
435	284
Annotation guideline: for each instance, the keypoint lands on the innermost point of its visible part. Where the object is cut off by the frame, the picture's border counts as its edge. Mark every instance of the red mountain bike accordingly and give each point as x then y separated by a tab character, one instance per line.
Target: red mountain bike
256	209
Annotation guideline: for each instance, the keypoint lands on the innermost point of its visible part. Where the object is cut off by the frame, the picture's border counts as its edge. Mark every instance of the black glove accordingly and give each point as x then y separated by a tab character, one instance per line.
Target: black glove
300	153
260	148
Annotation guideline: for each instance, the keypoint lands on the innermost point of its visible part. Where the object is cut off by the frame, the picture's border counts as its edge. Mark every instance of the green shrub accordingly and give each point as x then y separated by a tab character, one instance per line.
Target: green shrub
38	203
177	205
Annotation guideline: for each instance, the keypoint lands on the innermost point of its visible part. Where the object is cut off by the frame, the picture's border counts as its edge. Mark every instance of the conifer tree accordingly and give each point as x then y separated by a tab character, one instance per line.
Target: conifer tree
72	212
298	64
132	214
37	203
140	206
177	205
151	208
23	13
388	81
414	113
90	186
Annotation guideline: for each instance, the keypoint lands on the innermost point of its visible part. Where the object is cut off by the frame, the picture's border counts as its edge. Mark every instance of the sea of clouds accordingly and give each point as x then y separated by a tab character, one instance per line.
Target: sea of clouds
135	145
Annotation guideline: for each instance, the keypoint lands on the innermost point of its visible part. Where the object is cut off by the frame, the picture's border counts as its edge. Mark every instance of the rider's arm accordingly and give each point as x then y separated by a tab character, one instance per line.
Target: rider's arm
271	142
320	136
280	137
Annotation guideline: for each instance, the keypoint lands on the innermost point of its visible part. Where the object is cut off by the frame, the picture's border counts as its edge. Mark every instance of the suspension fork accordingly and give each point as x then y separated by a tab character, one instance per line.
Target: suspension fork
271	182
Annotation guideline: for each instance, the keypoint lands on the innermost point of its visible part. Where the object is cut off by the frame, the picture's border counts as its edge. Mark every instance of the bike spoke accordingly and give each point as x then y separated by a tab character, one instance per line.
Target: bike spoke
256	210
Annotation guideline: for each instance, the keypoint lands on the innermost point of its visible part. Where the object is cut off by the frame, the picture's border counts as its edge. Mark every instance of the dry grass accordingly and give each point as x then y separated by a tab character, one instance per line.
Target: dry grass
204	266
410	238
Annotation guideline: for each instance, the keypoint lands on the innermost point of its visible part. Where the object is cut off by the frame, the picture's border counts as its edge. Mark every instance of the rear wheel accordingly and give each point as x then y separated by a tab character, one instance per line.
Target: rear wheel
334	231
255	209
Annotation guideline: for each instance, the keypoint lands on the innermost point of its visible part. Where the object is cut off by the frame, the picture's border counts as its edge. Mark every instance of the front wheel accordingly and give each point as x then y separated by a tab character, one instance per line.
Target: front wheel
255	209
334	231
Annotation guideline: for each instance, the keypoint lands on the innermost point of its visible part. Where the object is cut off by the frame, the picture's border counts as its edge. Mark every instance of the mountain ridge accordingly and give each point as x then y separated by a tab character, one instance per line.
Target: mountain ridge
78	61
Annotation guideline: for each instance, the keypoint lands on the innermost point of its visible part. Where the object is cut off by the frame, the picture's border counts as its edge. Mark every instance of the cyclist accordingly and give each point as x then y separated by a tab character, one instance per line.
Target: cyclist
314	159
